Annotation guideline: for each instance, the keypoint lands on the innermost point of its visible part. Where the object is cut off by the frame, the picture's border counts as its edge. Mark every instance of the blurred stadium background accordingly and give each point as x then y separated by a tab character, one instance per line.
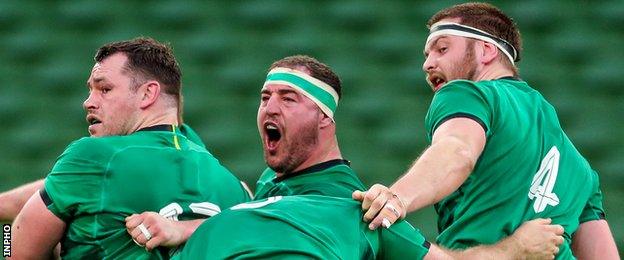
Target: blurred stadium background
572	54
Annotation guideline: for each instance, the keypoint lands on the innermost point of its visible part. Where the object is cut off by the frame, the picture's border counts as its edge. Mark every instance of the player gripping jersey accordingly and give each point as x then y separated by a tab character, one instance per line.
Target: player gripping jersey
301	227
499	192
97	182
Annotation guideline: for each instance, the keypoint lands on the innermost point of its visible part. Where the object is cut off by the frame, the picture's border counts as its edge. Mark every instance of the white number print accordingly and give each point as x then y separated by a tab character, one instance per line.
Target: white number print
544	182
173	210
255	205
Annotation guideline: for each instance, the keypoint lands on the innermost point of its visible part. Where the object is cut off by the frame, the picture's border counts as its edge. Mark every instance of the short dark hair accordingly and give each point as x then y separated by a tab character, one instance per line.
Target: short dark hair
147	59
317	70
486	17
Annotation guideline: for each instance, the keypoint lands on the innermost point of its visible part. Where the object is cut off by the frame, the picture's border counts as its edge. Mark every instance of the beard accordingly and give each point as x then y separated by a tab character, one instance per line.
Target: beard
466	68
295	150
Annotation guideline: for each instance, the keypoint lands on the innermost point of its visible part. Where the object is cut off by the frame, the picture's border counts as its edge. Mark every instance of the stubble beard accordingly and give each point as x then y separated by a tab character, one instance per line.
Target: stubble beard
466	68
295	152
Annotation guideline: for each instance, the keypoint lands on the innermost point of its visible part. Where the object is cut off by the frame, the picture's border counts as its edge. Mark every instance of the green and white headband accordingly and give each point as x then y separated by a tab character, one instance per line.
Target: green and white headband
445	28
318	91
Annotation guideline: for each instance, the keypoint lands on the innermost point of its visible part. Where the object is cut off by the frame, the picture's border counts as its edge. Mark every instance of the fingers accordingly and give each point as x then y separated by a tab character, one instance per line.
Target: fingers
385	218
391	212
358	195
376	206
156	241
382	206
133	221
559	241
557	229
541	221
371	195
139	236
142	228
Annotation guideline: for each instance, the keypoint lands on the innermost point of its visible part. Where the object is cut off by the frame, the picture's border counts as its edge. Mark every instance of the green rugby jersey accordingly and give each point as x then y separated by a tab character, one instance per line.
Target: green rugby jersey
301	227
528	168
332	178
97	182
191	135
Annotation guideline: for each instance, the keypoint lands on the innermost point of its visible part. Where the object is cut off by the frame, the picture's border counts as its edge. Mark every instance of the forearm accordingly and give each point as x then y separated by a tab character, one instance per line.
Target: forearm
12	201
164	232
507	248
535	239
439	171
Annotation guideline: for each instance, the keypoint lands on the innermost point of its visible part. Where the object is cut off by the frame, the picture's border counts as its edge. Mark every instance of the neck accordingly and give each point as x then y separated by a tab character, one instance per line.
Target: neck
327	150
167	116
493	71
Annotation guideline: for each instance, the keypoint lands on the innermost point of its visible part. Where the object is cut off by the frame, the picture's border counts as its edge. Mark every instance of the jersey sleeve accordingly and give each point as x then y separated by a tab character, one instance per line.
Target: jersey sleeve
593	210
75	182
459	98
402	241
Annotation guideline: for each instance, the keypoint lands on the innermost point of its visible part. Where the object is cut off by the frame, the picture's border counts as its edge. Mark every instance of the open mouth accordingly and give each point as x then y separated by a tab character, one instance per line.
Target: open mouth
92	120
436	82
273	135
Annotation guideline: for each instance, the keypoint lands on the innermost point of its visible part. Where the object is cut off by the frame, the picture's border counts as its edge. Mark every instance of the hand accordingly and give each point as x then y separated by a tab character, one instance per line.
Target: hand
538	239
383	206
160	231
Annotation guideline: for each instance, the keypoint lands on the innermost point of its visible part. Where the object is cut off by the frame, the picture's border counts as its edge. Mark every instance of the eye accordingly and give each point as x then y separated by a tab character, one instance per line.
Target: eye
443	49
105	90
264	99
288	99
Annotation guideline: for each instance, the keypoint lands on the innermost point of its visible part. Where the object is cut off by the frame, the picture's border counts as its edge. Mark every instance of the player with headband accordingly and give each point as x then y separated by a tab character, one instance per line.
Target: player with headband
498	155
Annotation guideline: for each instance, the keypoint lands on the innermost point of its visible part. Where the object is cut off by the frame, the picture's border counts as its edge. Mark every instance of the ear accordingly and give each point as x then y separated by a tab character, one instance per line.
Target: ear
325	121
149	91
490	52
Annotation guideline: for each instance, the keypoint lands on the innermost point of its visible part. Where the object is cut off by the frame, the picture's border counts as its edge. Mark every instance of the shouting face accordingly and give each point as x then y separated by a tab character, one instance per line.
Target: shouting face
289	127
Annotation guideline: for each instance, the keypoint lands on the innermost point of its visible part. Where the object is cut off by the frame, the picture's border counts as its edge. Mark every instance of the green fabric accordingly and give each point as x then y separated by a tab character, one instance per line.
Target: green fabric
191	135
320	94
336	181
521	129
593	209
97	182
301	227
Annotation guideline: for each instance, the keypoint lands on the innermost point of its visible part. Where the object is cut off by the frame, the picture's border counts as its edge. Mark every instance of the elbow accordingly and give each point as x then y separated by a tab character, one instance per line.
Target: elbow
464	157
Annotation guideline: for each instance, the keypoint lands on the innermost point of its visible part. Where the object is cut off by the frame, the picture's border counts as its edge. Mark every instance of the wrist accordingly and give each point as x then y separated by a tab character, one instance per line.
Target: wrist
513	247
402	202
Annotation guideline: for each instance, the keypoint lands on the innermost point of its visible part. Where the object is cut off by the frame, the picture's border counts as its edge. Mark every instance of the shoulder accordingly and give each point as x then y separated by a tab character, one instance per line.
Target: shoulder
87	151
91	146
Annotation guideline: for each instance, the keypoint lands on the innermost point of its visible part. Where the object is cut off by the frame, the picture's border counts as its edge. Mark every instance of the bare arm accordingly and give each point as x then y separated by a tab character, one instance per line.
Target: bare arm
593	240
440	170
164	232
36	231
12	201
535	239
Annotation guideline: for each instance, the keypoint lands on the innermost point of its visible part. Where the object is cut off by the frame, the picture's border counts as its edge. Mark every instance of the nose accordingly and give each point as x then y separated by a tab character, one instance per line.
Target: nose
89	103
429	63
272	106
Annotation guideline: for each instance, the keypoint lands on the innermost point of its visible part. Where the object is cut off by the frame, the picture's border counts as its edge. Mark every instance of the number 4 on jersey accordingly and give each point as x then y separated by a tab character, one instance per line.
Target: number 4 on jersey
544	182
